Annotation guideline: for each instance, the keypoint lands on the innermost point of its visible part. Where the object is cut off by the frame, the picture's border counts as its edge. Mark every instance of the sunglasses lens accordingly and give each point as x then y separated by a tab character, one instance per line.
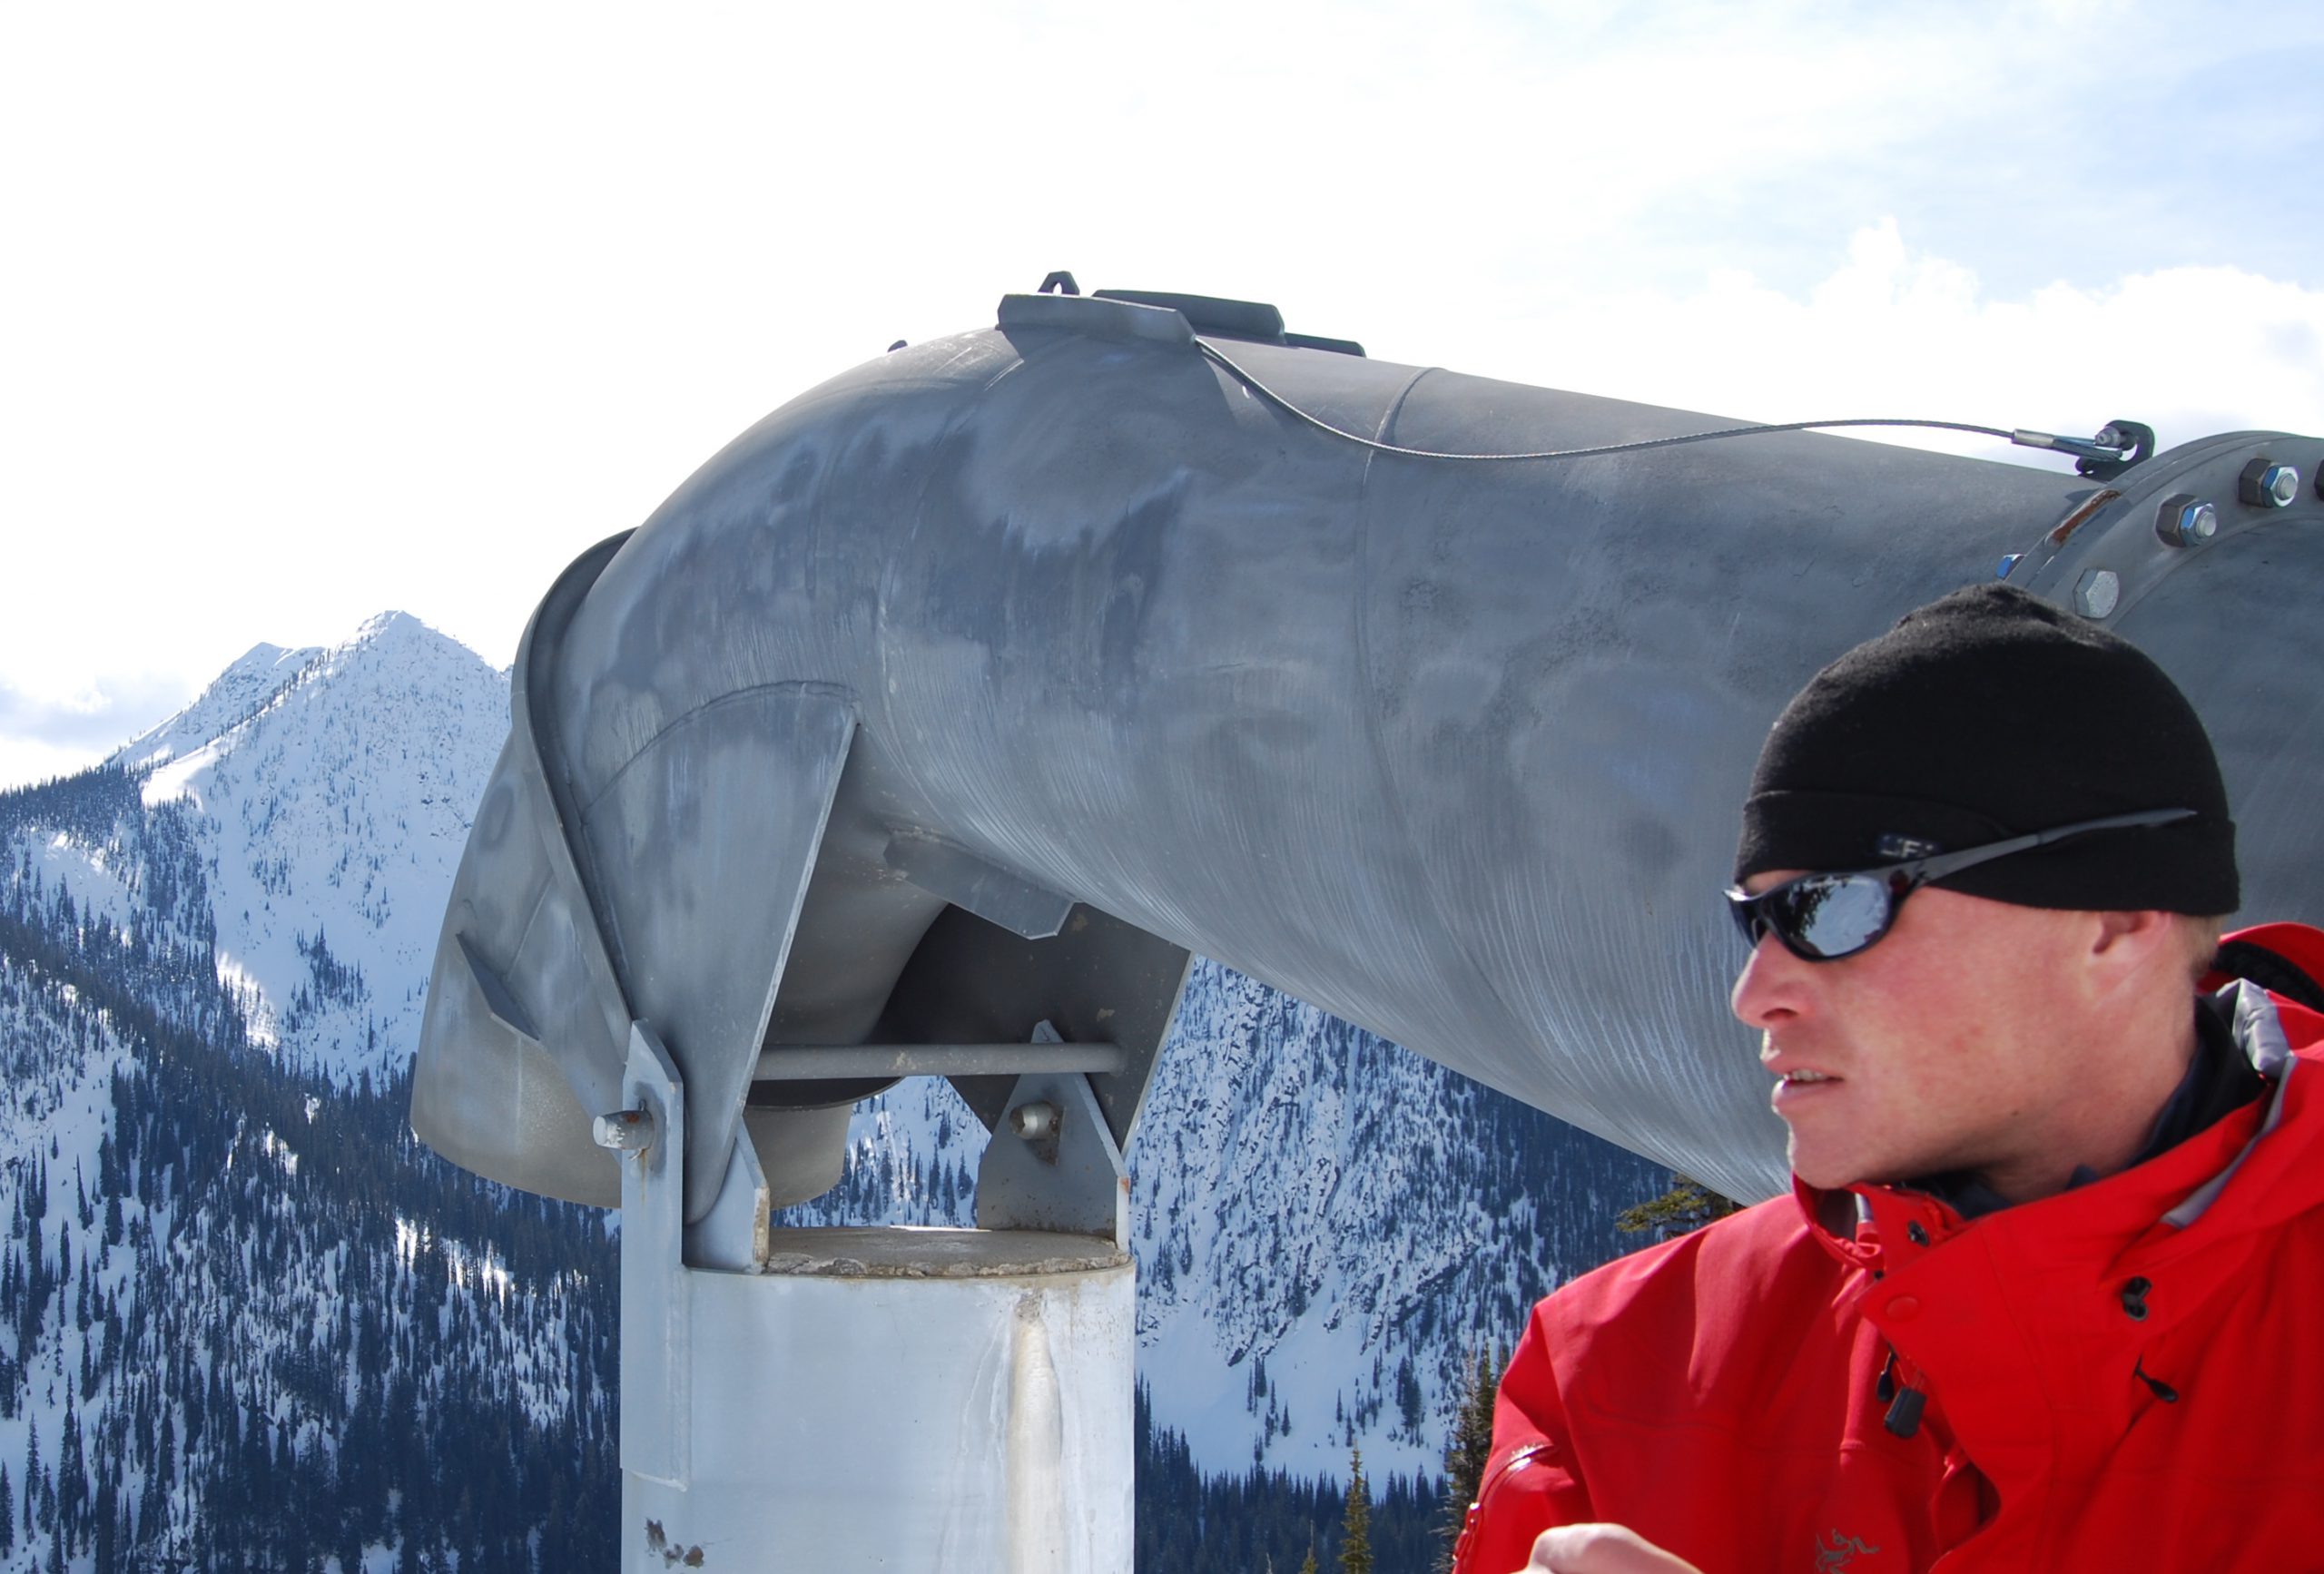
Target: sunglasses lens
1831	915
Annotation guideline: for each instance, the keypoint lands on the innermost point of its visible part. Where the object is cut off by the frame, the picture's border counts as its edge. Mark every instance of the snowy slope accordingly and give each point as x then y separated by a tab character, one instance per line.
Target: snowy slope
59	1060
333	788
1329	1226
246	1322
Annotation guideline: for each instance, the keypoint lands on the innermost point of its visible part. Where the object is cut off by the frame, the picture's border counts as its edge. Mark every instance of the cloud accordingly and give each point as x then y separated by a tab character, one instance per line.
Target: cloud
89	724
1892	331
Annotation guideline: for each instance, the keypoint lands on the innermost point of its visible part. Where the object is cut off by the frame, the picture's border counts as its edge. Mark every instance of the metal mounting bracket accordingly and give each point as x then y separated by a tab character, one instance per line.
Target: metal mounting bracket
1052	1164
656	1361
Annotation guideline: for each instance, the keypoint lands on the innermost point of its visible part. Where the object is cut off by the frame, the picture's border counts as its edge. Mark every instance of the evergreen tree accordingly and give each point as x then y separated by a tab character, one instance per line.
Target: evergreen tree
1472	1445
72	1478
1309	1566
106	1543
31	1473
1688	1206
1355	1523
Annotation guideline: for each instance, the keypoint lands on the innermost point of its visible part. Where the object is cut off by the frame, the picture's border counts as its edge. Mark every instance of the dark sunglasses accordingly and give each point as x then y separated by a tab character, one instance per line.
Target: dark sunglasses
1821	917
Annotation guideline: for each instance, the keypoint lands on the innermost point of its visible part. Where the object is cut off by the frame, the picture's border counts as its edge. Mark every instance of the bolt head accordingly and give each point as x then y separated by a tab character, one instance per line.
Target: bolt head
625	1130
2096	593
1033	1121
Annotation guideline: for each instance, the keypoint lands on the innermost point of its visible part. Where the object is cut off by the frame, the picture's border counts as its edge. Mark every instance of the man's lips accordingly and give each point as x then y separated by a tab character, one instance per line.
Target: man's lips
1801	1083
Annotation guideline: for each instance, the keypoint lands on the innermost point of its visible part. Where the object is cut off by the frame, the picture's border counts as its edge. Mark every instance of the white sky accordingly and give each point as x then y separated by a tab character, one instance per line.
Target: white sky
310	311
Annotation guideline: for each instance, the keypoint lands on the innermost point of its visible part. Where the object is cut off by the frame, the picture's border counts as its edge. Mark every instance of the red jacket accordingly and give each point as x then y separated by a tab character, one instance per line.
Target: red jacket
2126	1375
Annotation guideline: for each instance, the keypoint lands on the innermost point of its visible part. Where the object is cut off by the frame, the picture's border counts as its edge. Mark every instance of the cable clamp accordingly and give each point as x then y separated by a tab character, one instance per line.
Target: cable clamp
2112	449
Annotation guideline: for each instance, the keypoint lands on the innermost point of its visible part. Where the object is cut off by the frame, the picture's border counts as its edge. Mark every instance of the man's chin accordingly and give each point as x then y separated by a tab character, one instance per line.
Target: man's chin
1824	1172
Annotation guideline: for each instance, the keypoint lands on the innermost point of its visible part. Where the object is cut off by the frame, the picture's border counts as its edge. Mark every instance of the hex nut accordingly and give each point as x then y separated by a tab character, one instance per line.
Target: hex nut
2096	593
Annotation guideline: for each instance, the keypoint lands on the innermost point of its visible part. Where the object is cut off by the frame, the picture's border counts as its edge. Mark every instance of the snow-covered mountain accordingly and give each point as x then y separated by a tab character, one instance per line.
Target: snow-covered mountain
1326	1226
332	790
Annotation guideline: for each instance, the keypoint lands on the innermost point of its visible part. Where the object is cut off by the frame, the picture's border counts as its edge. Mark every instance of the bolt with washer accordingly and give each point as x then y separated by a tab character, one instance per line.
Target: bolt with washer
2266	483
2184	521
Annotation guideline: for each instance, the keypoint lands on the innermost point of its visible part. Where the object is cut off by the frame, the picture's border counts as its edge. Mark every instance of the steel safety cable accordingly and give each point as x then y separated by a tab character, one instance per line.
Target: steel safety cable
1251	383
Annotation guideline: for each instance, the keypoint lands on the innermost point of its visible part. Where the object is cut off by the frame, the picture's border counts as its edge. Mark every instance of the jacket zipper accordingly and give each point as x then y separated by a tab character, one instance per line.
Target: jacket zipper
1500	1473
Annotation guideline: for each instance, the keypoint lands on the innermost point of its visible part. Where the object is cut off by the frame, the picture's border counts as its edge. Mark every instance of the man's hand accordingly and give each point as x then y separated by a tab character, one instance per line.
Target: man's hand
1601	1550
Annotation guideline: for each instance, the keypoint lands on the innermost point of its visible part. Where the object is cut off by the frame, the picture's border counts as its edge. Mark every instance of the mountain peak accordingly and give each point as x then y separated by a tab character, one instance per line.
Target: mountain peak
258	657
246	687
401	636
263	673
388	625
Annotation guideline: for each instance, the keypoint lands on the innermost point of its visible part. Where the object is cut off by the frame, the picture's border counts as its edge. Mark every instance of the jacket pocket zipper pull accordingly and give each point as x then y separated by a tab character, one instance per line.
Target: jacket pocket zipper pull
1904	1416
2160	1389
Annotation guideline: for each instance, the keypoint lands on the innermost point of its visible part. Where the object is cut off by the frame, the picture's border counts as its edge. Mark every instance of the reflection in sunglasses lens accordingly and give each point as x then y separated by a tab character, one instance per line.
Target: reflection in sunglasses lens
1839	914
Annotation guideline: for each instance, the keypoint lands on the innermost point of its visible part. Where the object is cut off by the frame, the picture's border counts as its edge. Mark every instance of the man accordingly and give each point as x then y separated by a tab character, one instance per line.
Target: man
2049	1291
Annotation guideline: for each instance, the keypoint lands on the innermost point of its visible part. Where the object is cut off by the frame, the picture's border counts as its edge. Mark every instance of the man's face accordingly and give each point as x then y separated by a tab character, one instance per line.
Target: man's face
1938	1049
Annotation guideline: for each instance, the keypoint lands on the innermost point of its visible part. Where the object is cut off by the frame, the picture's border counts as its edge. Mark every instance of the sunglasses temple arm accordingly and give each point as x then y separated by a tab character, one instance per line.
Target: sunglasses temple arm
1938	868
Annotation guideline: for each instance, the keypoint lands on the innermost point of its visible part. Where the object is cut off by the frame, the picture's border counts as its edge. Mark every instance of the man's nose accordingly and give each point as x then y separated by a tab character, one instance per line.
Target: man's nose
1766	990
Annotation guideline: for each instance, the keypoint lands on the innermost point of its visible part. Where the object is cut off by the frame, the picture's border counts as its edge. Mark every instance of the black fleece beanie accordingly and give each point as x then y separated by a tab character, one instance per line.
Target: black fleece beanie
1988	714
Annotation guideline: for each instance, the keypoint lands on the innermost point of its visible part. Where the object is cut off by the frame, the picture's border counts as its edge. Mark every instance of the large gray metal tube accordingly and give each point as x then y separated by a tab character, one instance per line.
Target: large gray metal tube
1452	750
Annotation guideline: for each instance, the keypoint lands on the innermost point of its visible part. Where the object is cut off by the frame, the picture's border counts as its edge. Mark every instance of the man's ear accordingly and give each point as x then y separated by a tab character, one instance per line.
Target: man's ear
2135	940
